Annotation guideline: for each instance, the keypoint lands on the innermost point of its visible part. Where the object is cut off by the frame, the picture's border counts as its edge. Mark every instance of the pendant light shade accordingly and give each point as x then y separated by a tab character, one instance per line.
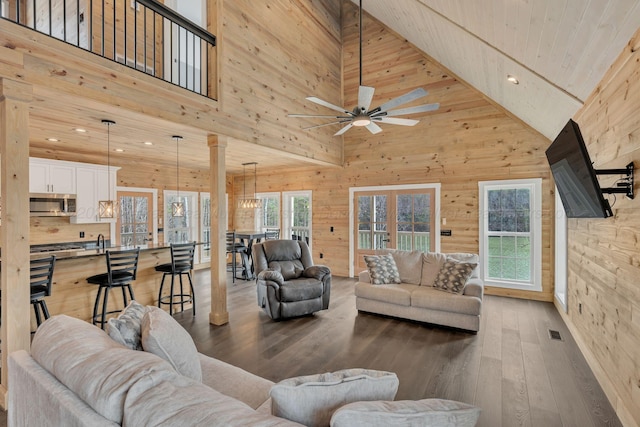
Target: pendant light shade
106	208
177	207
249	202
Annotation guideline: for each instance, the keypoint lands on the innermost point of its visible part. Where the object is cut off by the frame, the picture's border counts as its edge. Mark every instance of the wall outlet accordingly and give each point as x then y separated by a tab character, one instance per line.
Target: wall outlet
82	234
580	307
332	229
321	255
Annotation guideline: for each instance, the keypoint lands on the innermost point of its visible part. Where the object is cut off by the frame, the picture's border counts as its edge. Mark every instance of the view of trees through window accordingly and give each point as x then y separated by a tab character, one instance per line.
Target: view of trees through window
509	233
300	218
134	220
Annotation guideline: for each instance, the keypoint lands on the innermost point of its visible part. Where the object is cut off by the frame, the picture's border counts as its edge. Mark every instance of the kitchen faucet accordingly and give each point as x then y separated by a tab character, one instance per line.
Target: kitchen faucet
101	239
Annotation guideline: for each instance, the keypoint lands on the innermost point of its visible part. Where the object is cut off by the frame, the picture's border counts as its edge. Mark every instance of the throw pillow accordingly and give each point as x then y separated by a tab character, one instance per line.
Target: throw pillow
382	269
312	399
406	413
453	276
125	329
164	337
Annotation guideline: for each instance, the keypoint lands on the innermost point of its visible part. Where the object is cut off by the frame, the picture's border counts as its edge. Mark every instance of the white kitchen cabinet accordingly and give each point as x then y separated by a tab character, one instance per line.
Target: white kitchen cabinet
94	184
51	176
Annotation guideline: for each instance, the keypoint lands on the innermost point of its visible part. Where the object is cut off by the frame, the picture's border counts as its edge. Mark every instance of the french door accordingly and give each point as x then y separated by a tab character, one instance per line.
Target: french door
134	224
393	219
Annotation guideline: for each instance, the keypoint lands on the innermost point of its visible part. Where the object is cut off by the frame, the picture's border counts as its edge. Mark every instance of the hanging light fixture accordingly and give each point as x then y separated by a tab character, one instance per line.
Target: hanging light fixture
177	207
249	203
106	208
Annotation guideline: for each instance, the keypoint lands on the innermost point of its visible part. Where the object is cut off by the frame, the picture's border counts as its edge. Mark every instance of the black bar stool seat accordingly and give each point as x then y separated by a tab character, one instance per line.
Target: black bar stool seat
182	256
122	267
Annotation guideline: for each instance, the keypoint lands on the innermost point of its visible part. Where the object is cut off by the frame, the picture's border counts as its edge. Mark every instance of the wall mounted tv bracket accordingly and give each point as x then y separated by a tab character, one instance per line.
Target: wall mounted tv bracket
624	185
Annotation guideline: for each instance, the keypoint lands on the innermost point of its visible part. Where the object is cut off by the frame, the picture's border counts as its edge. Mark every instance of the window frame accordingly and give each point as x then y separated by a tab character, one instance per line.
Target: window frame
259	223
534	185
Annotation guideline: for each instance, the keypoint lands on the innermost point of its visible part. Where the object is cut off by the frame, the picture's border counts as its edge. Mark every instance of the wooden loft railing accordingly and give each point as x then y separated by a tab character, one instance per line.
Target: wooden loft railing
142	34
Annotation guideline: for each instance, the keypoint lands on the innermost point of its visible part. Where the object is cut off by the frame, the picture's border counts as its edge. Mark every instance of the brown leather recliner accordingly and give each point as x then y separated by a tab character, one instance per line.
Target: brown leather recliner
288	283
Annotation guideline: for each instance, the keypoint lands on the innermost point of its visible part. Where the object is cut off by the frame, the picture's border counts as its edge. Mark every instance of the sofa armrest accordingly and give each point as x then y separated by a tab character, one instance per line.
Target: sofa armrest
364	277
234	382
271	275
474	288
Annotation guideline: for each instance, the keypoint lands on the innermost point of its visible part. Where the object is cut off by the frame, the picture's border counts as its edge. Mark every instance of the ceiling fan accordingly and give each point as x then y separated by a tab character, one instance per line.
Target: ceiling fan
361	115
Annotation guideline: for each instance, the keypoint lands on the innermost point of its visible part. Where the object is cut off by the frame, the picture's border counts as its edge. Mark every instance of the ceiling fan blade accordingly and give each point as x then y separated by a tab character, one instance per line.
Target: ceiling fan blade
365	96
328	105
326	124
411	110
395	121
318	115
343	130
374	128
403	99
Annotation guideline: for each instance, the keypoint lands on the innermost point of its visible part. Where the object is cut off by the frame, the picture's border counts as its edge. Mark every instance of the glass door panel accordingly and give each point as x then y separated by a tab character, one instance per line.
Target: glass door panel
134	224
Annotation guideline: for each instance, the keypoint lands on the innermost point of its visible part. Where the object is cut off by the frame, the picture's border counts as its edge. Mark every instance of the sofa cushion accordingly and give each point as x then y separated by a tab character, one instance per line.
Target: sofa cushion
399	294
431	263
301	289
409	265
453	275
434	299
125	329
406	413
164	337
92	365
184	402
382	269
312	399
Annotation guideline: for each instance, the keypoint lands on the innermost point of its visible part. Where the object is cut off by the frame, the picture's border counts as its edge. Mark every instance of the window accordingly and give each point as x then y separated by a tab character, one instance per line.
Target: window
510	233
137	221
181	229
296	212
268	216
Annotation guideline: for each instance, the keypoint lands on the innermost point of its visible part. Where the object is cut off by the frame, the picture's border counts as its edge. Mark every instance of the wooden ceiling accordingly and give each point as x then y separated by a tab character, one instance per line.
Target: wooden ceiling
559	50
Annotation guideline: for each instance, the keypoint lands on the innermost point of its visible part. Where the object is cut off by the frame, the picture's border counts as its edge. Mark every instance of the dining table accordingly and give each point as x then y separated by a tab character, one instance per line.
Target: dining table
249	237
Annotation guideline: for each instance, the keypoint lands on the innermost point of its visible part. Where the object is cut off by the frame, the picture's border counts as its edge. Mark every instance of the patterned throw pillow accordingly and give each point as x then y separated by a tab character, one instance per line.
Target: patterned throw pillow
453	275
382	269
125	329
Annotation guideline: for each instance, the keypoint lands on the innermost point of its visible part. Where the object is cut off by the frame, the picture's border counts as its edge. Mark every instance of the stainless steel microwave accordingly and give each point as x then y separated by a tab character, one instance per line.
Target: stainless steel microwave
45	204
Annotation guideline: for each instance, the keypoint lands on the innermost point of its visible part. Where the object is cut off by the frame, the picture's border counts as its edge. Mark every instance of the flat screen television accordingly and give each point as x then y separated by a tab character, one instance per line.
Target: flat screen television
575	176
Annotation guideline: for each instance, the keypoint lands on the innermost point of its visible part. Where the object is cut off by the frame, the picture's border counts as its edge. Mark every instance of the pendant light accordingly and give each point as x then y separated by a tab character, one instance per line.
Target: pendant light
106	208
177	207
249	203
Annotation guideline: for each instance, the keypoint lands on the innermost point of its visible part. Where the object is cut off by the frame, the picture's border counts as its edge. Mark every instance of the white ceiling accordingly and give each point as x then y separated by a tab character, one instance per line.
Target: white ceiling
558	49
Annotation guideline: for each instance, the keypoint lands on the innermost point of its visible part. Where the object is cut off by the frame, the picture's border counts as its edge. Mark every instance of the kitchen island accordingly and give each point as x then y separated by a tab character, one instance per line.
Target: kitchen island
73	296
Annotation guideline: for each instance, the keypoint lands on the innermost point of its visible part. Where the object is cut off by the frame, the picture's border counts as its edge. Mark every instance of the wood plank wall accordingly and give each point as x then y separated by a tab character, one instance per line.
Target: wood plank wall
469	139
603	254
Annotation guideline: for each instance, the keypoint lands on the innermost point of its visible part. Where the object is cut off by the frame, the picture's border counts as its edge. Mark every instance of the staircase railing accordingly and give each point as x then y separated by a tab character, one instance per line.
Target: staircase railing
142	34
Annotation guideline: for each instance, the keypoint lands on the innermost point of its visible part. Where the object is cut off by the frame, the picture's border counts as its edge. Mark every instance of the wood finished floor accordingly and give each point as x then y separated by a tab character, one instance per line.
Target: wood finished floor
511	368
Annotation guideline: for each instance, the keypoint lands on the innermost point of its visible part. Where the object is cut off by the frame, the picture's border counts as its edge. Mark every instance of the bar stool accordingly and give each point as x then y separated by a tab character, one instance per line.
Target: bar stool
41	274
182	255
234	248
122	267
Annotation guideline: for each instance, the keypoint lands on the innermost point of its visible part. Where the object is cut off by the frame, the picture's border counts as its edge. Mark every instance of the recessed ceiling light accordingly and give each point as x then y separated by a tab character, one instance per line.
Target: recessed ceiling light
512	79
119	150
53	139
80	130
148	143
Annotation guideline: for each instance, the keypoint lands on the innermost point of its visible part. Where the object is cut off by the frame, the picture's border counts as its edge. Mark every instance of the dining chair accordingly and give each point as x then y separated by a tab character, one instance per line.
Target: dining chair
235	248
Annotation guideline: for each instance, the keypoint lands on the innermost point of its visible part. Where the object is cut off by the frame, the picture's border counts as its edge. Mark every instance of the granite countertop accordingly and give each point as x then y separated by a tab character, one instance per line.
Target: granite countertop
81	253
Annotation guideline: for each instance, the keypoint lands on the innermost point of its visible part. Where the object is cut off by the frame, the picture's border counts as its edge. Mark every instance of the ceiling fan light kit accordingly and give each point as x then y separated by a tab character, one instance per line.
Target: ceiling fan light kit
361	116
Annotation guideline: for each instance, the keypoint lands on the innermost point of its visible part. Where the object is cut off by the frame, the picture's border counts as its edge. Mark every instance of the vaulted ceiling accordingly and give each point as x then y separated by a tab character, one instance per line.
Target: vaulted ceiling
558	50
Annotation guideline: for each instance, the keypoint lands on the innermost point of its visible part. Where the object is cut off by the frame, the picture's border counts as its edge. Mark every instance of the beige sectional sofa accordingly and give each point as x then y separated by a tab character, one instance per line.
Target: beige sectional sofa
416	298
78	375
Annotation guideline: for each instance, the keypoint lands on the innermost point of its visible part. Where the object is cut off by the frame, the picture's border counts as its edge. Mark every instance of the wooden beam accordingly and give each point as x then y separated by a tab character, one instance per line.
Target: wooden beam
219	314
14	233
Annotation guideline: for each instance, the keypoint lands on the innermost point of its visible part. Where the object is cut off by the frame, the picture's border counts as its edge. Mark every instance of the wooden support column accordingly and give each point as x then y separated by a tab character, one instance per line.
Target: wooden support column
14	232
217	170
